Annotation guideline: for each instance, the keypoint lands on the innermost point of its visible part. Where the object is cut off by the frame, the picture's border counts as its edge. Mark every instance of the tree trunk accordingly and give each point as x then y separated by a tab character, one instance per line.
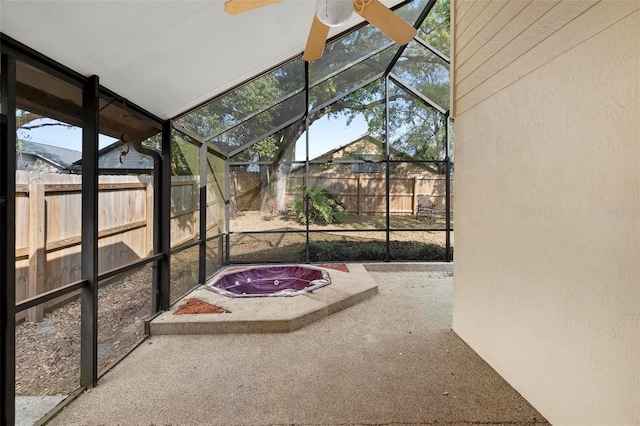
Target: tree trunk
281	186
265	189
273	183
274	177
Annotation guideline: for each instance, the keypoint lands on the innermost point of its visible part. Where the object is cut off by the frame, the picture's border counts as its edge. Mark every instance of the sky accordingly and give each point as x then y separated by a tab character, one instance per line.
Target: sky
328	133
325	134
60	136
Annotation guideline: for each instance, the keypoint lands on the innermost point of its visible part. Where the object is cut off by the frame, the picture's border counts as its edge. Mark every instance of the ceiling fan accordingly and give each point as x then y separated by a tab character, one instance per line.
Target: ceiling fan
333	13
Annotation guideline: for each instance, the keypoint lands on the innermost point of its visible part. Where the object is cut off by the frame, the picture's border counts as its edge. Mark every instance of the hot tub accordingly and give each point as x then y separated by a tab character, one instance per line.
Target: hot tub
260	281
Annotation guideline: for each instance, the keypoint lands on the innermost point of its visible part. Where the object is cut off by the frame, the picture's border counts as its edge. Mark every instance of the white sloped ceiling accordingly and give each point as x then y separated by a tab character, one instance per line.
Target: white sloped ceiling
166	56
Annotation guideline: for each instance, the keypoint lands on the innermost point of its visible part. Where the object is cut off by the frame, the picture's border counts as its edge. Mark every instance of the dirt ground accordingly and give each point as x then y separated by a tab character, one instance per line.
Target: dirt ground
256	248
48	353
254	220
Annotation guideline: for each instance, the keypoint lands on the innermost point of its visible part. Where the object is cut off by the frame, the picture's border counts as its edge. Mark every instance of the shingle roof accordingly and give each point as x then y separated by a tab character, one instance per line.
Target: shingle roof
109	158
60	157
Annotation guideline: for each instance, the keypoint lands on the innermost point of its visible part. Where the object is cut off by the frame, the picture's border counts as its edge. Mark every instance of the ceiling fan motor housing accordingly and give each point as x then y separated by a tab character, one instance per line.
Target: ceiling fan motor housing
334	12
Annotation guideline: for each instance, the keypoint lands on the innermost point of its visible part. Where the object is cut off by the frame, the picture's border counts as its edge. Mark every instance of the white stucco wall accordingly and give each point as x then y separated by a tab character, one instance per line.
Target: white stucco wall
547	256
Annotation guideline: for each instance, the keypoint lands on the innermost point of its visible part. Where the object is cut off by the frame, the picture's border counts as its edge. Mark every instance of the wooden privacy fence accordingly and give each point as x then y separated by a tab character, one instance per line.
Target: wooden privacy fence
48	226
363	194
49	208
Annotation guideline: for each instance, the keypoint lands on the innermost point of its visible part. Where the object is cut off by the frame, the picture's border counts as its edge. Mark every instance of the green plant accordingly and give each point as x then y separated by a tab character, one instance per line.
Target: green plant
324	206
341	251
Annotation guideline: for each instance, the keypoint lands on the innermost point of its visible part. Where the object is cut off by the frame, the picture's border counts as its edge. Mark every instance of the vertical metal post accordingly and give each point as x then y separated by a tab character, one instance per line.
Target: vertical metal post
306	161
89	255
164	228
447	189
202	267
7	240
157	188
227	211
157	209
387	165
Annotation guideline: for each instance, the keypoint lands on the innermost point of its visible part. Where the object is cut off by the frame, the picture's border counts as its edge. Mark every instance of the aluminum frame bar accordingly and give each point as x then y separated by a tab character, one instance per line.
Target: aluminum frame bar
133	265
266	135
387	172
89	236
202	269
7	239
447	191
397	80
254	114
49	295
307	255
298	91
163	285
351	64
423	15
433	50
355	89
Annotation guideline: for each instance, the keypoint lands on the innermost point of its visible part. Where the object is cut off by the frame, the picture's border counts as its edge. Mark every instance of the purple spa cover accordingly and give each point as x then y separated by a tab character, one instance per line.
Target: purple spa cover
289	280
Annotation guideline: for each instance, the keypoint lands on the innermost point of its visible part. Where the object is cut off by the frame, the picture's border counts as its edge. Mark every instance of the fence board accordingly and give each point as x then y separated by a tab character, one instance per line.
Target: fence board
185	216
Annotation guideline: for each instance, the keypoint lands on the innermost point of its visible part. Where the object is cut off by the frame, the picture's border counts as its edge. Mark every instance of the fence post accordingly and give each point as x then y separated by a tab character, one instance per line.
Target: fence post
414	202
195	200
37	244
358	195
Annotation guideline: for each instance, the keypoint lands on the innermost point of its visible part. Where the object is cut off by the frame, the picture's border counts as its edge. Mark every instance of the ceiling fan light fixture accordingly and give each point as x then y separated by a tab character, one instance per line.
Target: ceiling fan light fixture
334	12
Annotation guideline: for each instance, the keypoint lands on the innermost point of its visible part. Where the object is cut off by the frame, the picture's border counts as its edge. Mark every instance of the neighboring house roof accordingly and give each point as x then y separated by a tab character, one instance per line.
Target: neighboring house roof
111	160
61	158
395	153
330	154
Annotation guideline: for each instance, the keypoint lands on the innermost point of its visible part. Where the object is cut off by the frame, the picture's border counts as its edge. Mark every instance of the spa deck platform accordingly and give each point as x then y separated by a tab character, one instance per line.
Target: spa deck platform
269	314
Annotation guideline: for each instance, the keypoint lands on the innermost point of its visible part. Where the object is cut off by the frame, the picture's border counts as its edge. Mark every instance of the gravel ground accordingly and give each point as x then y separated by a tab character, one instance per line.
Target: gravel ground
48	353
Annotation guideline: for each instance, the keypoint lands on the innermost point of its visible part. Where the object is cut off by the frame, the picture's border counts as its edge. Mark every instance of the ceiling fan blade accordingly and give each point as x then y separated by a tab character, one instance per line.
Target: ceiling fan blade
235	7
396	28
316	40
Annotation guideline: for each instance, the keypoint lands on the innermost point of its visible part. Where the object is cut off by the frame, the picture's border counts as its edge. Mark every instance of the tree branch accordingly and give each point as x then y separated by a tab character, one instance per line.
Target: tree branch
37	126
27	117
353	106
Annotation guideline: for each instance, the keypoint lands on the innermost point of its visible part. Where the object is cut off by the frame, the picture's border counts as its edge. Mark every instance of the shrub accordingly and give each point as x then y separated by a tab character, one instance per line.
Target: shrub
333	251
324	206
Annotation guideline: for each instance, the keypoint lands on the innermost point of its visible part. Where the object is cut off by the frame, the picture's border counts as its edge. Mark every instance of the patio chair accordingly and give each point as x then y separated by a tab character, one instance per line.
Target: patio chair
425	206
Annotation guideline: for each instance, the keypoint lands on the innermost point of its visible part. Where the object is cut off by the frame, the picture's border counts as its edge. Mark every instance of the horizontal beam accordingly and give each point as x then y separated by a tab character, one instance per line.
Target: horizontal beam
49	295
187	246
76	187
74	241
117	271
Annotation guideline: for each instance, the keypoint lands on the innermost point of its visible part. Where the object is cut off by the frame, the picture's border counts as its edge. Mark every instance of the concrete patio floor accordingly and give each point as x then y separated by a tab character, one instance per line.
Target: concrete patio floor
390	360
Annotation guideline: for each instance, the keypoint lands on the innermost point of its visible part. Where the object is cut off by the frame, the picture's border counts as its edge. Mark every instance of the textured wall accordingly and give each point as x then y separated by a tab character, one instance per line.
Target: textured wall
547	270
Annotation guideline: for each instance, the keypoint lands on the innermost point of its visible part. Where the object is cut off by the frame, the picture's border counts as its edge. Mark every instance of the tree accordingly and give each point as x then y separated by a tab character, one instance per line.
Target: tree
259	104
26	120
